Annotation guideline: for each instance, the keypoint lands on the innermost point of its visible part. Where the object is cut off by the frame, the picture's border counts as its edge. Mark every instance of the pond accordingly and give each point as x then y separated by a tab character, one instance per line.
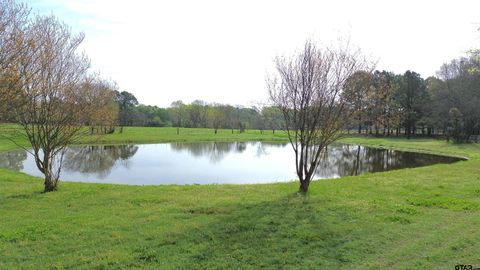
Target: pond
213	162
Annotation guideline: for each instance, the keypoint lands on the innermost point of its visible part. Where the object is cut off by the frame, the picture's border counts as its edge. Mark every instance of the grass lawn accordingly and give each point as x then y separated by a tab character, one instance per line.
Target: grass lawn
422	218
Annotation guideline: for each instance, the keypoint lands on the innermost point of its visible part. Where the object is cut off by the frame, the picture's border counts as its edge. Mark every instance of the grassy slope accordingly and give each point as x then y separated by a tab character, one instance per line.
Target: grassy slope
423	218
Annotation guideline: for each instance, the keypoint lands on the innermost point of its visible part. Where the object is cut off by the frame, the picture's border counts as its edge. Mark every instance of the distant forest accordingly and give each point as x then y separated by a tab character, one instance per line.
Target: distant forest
198	114
383	103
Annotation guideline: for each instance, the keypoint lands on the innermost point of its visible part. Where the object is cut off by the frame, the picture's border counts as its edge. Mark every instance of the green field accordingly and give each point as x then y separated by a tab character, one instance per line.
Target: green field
422	218
155	135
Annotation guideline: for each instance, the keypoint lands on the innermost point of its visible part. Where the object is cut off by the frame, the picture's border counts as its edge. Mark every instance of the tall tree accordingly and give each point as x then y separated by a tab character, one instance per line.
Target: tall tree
308	89
101	96
49	104
383	107
461	81
126	104
411	96
13	23
216	117
198	113
179	114
356	93
273	118
456	130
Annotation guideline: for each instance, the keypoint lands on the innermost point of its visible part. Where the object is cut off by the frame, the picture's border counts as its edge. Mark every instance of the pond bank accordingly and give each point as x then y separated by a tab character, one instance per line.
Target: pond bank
422	218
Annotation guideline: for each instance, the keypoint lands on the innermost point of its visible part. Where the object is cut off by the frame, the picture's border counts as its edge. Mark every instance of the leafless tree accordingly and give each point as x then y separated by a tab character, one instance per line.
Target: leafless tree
13	21
50	84
100	95
307	88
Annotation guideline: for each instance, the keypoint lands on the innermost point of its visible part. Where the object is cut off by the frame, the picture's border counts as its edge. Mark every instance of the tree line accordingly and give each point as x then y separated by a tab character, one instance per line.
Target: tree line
385	103
198	114
382	104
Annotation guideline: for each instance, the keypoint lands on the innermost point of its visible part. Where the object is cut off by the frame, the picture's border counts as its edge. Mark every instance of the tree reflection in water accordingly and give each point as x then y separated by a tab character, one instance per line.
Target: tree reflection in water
350	160
13	160
216	151
99	159
338	160
221	162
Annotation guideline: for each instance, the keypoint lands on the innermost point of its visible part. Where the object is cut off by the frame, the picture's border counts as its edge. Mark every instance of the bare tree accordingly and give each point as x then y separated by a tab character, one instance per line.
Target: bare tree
308	88
104	110
13	21
50	104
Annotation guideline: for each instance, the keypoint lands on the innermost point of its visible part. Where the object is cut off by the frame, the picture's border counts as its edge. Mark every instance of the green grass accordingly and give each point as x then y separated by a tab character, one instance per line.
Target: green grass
155	135
152	135
422	218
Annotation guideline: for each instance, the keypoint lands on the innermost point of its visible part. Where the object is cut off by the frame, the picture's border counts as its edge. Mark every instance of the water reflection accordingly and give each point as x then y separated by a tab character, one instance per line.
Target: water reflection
216	151
214	162
13	160
350	160
98	160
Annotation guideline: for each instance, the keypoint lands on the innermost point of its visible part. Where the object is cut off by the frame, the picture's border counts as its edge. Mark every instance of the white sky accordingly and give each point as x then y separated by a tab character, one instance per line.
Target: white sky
162	51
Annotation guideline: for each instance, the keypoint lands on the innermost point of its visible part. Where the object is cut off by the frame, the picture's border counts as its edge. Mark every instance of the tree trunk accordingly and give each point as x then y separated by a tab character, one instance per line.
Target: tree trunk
50	183
304	186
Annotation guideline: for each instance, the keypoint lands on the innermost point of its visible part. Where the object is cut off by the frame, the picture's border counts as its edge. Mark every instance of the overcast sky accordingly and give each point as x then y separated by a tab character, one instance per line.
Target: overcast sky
162	51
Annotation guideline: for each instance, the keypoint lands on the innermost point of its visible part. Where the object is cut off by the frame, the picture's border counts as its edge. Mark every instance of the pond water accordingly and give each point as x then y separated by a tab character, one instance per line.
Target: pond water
213	162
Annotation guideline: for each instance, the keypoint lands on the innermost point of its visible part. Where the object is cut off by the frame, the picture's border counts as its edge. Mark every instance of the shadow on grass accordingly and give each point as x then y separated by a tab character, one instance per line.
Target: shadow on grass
289	233
26	195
